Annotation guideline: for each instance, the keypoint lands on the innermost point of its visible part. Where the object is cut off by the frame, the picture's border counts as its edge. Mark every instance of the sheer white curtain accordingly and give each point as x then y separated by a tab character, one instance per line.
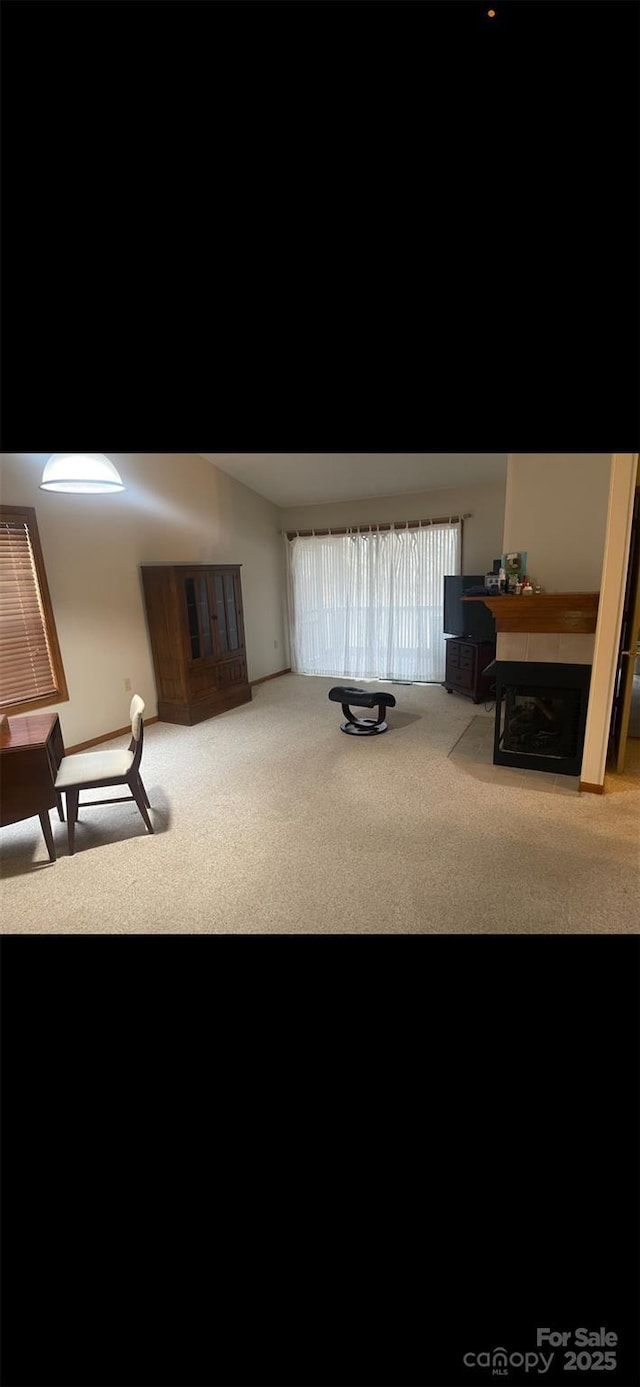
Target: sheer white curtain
370	605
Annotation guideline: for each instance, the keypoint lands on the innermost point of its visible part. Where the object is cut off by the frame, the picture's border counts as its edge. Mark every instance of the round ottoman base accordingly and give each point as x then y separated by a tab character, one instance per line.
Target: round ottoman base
364	727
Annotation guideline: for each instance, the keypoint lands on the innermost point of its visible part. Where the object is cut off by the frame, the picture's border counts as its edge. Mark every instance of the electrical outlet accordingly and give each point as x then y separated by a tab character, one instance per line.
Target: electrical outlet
127	685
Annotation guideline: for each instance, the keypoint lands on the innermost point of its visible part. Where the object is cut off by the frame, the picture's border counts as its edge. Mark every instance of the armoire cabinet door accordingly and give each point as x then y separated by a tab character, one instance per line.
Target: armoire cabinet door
199	617
228	633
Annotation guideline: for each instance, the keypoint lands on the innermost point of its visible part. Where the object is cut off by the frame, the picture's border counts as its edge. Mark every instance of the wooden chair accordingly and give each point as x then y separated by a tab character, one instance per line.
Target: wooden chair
95	769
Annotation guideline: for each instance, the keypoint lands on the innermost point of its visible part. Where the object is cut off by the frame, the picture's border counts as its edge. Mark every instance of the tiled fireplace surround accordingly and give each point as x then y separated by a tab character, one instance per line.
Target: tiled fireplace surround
562	648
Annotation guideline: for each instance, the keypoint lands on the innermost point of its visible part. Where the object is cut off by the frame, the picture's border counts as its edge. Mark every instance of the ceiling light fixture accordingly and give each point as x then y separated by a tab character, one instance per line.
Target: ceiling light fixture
86	472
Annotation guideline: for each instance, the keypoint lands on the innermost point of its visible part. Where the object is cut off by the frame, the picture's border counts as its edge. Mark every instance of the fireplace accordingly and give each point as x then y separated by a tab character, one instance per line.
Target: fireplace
541	712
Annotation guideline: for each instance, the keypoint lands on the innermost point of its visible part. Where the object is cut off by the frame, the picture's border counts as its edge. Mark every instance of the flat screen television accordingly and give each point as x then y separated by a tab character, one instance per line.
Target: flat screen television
470	619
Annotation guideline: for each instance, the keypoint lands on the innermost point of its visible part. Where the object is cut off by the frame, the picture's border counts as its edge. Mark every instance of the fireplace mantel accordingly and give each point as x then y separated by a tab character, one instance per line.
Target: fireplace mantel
569	612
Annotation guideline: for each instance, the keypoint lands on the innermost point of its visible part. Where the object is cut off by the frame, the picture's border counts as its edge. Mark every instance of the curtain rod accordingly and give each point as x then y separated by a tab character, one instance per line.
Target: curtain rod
386	525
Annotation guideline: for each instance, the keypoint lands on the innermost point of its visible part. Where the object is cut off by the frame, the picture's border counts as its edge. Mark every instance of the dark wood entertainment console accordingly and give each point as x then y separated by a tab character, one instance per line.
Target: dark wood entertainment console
466	662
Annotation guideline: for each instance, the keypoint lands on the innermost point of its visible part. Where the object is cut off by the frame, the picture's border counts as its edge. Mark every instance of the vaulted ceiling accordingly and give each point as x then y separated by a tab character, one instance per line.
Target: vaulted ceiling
302	479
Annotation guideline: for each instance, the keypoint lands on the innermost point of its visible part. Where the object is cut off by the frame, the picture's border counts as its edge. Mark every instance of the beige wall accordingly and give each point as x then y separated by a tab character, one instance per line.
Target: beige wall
176	507
482	542
556	510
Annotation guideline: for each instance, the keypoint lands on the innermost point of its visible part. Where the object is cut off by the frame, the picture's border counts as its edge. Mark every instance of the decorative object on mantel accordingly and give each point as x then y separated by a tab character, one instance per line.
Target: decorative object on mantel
568	612
515	567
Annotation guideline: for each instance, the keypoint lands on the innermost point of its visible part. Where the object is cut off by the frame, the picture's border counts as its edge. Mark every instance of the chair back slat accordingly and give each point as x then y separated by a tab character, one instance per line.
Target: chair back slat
135	713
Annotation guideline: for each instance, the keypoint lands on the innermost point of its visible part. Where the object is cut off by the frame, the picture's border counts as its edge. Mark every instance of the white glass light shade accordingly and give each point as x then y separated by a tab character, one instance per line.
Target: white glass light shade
80	472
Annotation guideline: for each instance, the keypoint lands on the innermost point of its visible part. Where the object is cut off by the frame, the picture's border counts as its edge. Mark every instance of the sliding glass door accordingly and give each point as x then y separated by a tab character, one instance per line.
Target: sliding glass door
369	605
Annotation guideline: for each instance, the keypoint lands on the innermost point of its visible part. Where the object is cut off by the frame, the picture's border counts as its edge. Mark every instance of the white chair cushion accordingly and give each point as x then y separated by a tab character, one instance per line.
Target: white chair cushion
92	767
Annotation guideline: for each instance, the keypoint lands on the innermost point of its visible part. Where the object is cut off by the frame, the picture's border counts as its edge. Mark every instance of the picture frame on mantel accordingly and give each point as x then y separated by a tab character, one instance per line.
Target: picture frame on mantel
515	564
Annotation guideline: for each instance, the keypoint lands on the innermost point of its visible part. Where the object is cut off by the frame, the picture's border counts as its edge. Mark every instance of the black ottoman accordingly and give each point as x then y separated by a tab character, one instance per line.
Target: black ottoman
362	727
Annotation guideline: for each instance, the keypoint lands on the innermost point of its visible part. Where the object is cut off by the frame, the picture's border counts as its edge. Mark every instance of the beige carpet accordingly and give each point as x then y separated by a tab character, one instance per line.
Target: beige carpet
269	819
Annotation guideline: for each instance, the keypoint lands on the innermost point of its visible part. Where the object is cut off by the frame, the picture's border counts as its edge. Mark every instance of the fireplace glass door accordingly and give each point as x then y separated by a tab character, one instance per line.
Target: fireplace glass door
541	721
541	714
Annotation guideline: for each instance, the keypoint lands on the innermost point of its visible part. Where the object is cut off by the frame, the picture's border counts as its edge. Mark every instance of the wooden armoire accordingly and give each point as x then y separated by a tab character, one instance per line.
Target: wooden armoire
194	615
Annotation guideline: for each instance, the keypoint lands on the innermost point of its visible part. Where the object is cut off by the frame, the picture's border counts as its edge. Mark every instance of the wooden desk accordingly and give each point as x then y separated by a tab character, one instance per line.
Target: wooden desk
31	749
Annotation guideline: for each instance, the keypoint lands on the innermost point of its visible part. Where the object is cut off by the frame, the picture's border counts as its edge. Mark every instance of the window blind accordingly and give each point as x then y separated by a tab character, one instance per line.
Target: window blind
27	671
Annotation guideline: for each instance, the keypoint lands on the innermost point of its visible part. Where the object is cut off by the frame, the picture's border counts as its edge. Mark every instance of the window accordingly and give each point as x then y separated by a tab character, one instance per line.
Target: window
369	605
31	673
